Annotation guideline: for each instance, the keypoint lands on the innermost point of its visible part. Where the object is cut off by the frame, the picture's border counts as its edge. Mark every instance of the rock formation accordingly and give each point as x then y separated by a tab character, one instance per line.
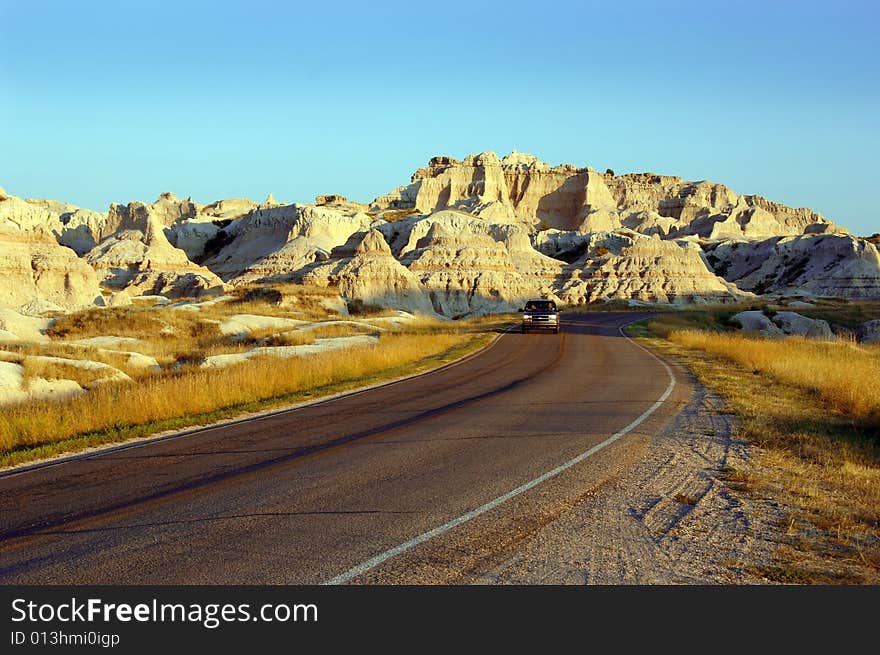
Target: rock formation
470	265
757	322
167	210
274	243
634	266
463	237
795	324
782	324
37	272
869	331
521	188
18	327
140	260
230	209
812	264
371	274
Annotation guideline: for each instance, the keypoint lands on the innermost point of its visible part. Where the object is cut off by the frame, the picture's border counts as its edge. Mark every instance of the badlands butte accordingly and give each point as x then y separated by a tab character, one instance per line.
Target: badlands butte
463	238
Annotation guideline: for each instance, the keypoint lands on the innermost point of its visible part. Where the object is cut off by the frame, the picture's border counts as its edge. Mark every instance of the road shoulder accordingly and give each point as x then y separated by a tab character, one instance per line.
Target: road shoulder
675	517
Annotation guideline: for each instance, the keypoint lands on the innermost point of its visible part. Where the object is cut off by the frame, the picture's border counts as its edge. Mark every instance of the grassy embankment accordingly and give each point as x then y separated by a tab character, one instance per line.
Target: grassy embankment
813	409
182	394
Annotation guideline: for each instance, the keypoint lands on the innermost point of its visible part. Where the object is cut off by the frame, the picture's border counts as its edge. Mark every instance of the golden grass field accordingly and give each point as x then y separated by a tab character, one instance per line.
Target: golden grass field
843	374
181	393
116	408
813	410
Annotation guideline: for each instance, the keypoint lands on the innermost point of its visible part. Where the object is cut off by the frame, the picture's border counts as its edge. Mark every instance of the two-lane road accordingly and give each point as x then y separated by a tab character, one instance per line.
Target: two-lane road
424	480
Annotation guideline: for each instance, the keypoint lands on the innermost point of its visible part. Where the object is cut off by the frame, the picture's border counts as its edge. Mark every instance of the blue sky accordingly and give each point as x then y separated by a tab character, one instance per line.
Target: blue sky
112	101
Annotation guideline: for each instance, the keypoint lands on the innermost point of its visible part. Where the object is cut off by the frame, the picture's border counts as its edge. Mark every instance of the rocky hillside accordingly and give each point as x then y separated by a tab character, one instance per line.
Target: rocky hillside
462	238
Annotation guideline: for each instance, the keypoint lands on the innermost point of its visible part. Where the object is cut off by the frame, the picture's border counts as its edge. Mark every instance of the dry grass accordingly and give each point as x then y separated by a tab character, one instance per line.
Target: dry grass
847	314
84	377
844	375
136	322
116	411
297	301
812	410
299	337
393	215
182	393
18	352
166	334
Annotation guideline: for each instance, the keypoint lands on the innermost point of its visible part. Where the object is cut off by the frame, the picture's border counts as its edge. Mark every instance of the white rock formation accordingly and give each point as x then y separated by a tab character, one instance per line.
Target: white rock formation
140	260
241	325
464	237
272	243
167	210
192	236
11	381
521	188
35	269
15	389
869	331
319	346
756	322
643	268
822	265
364	269
231	208
18	327
470	265
795	324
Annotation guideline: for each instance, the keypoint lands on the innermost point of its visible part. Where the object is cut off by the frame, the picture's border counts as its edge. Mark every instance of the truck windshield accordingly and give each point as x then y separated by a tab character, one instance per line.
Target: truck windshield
541	306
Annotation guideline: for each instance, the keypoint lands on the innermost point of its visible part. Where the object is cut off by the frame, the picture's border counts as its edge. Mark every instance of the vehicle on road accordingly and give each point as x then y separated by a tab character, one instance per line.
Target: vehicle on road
540	314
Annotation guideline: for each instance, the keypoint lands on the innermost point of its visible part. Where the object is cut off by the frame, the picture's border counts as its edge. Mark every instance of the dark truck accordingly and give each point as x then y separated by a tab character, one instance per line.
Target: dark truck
540	314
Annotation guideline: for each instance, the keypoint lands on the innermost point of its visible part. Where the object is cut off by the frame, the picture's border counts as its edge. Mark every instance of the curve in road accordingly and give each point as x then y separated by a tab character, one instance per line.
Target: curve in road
417	482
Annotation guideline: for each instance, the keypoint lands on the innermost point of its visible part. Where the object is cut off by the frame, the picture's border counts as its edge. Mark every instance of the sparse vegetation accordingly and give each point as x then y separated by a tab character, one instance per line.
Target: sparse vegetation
843	375
18	352
266	295
160	333
299	337
394	215
812	410
117	321
358	307
51	370
297	300
846	314
184	394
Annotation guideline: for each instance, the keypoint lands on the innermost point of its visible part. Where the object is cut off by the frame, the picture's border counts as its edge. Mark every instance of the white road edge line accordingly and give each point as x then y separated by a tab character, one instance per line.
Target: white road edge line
373	562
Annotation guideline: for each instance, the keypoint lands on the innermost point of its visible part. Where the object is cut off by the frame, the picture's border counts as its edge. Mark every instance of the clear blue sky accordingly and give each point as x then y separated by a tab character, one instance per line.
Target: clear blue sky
102	103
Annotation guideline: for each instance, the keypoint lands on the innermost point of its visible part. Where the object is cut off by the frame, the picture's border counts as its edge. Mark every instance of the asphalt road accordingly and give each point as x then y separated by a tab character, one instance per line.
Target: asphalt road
422	481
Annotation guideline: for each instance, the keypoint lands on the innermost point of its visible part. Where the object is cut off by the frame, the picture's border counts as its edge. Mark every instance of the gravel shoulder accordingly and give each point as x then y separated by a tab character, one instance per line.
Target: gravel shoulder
676	517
